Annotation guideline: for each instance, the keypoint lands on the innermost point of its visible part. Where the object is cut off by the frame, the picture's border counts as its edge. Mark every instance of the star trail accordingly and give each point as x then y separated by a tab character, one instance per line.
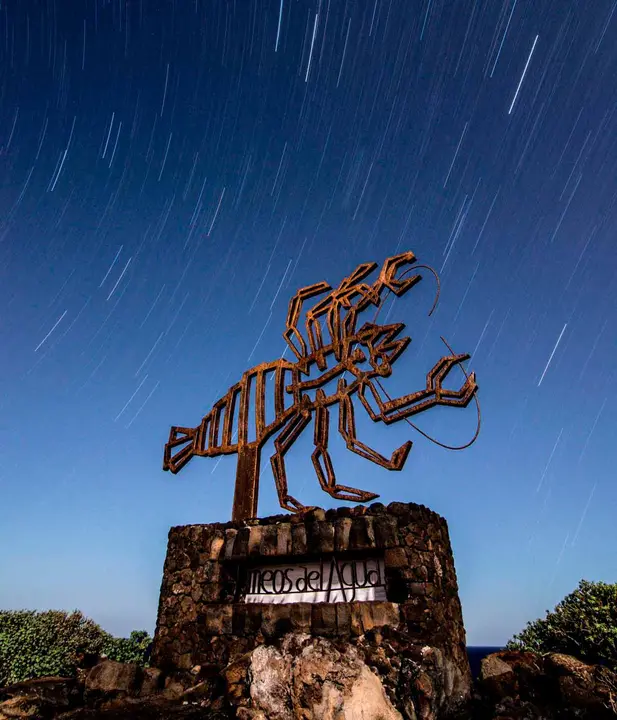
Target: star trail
170	174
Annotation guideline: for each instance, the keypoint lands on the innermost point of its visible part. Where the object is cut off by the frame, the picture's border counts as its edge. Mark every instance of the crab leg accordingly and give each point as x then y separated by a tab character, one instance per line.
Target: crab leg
282	443
347	428
393	410
325	472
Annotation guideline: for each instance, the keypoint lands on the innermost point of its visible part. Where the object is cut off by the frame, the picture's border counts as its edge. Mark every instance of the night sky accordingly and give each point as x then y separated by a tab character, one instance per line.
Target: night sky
172	172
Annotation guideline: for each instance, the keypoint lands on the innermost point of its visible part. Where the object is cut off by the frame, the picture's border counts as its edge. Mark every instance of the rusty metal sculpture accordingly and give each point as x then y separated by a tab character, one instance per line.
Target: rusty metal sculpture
367	354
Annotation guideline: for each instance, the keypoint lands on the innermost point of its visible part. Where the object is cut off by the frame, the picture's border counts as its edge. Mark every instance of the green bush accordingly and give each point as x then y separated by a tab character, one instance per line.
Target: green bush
134	649
35	644
583	624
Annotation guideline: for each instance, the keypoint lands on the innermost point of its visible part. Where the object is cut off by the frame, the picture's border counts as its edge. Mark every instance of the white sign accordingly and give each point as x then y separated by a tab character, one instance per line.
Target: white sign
330	581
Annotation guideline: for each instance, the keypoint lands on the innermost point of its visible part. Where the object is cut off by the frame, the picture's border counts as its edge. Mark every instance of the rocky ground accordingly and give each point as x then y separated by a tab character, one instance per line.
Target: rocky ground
305	683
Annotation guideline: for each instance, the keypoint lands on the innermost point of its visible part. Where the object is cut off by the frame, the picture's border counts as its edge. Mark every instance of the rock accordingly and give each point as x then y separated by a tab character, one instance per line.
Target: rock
235	677
147	709
271	677
41	698
497	677
173	688
303	676
553	687
590	688
308	678
151	682
110	679
20	707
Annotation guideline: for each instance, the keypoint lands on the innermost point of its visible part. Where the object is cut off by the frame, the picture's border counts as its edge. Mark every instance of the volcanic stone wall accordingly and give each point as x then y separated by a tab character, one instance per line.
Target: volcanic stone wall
203	621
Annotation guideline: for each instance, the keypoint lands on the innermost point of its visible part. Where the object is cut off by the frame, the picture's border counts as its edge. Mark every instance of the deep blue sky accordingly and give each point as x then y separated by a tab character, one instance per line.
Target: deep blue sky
170	174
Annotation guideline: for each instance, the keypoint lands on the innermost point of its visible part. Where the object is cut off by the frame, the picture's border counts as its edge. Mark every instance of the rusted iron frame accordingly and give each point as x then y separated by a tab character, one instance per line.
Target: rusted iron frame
382	347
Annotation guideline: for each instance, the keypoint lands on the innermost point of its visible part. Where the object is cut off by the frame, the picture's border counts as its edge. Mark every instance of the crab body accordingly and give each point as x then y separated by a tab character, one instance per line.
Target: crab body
363	354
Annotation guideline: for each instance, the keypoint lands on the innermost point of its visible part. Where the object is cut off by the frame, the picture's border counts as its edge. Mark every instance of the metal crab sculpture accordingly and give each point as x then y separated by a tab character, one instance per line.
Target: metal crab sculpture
367	354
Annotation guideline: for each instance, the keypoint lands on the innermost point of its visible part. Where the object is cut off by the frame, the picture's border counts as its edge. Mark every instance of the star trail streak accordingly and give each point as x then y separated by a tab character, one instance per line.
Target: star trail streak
171	175
520	82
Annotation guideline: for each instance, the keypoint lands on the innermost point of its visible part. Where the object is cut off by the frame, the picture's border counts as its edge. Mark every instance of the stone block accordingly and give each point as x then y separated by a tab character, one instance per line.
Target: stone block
374	615
384	614
217	543
419	573
361	535
414	610
396	558
275	620
252	617
320	537
241	545
399	510
183	576
269	541
355	618
207	572
419	588
386	531
323	619
230	538
343	619
439	573
342	530
301	617
211	592
283	541
183	561
315	515
218	619
187	609
255	537
298	539
196	535
179	588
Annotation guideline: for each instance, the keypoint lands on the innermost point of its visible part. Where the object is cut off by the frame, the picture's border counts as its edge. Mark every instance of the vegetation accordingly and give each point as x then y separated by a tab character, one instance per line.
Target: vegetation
134	649
35	644
583	624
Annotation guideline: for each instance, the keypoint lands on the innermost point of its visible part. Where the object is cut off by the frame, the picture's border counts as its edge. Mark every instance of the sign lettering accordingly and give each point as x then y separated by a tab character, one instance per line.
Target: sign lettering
330	581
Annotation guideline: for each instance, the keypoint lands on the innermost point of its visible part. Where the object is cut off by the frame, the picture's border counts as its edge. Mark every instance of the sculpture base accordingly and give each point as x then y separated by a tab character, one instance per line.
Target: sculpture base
336	594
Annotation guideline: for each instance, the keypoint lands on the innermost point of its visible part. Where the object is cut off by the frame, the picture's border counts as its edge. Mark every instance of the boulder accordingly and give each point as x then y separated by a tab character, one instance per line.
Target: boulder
502	674
302	676
515	684
39	698
151	682
110	679
591	689
309	678
20	707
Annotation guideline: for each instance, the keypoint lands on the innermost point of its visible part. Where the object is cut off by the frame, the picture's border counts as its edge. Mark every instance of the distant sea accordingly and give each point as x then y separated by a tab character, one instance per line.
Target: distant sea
475	653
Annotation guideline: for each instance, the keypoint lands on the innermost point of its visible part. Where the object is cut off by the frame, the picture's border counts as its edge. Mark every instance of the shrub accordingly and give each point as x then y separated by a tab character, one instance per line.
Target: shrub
35	644
134	649
583	624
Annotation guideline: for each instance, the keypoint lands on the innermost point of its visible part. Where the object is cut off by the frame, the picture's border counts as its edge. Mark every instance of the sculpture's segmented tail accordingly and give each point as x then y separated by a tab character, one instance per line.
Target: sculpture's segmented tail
226	428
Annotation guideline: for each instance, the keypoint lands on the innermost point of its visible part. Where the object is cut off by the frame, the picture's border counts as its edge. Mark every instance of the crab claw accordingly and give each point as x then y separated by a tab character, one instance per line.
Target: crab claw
399	456
391	265
179	436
